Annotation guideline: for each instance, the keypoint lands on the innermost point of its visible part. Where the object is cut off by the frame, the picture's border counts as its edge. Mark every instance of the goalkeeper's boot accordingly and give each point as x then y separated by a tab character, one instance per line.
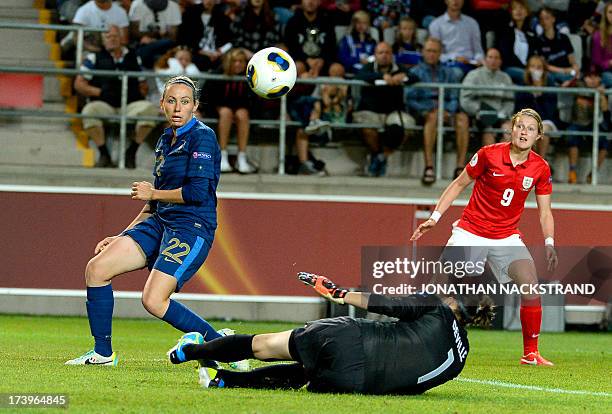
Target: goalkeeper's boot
207	377
534	358
93	358
176	354
242	365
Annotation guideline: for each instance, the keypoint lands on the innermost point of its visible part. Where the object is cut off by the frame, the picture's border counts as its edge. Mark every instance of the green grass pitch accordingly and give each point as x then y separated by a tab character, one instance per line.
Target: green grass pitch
33	350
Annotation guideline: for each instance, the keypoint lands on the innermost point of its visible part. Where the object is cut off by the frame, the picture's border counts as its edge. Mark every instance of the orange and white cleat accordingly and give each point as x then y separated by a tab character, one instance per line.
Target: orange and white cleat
534	358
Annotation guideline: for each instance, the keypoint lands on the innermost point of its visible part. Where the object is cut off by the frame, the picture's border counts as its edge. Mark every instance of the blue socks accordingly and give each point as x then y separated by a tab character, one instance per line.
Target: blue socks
100	304
183	319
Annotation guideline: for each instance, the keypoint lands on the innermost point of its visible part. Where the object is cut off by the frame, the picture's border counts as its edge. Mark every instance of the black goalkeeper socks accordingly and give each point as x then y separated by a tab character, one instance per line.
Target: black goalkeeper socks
225	349
280	376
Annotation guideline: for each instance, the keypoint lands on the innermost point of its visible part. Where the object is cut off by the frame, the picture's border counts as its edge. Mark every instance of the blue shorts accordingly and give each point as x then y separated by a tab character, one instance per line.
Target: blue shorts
179	253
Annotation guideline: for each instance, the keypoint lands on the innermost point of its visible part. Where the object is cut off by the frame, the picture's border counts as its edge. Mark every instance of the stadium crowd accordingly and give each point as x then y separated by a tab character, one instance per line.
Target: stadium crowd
389	44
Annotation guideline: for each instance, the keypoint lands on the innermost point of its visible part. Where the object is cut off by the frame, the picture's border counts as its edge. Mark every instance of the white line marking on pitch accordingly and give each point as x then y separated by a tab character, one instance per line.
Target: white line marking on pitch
533	387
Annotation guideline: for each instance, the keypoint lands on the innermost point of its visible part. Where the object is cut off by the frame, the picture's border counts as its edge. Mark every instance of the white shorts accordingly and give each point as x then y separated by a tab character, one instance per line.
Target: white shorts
498	253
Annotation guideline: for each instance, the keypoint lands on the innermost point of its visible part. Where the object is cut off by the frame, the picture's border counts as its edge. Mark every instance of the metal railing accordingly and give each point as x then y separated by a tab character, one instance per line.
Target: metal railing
282	122
80	31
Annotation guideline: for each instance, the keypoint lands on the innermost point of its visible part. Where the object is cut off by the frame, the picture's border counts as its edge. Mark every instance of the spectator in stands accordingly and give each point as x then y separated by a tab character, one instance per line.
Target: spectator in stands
460	37
516	42
379	104
558	7
104	95
544	103
582	120
387	13
233	101
100	14
311	39
332	107
406	50
601	54
557	49
206	30
589	16
177	61
491	108
154	25
254	27
341	11
356	48
424	102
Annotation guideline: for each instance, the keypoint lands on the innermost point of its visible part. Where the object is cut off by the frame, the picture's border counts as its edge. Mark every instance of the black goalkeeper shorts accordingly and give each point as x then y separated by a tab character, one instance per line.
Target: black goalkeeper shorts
331	351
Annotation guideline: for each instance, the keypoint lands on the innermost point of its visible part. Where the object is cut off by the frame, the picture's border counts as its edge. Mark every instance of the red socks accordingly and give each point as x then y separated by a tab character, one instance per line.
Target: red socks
531	320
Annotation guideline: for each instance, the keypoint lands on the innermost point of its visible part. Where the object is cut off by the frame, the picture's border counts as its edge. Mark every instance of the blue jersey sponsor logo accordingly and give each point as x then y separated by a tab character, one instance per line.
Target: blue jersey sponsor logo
203	155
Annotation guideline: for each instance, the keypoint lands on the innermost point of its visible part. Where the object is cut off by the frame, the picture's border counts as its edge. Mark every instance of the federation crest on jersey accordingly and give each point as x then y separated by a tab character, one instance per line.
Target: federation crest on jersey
527	182
474	160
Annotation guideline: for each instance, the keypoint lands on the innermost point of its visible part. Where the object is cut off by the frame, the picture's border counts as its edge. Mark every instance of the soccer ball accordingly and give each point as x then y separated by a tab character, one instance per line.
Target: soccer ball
271	73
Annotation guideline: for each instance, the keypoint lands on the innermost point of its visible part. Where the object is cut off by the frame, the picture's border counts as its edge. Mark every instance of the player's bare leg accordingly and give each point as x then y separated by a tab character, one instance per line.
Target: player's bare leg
120	256
115	256
272	346
523	272
157	291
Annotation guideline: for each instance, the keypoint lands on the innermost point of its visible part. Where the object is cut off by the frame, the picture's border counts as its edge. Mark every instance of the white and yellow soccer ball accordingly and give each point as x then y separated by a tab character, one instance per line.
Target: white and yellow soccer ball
271	73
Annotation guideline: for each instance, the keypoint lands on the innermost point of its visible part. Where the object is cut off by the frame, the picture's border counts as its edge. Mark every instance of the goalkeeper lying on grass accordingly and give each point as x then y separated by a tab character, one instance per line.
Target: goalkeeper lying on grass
425	348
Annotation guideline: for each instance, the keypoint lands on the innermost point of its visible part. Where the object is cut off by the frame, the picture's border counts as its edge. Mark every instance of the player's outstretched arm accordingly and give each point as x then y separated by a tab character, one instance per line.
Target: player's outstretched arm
449	195
547	222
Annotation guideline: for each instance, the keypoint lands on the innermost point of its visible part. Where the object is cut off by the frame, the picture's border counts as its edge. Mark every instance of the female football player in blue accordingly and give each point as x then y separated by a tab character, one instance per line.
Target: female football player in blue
171	235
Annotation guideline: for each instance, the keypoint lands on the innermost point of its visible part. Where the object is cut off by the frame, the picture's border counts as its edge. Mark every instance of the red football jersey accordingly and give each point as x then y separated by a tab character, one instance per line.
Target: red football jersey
500	190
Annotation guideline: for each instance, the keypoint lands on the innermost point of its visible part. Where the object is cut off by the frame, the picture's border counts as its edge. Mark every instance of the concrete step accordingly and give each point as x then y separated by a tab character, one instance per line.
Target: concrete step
16	4
38	133
36	128
28	61
13	14
23	48
33	141
51	89
21	37
272	183
42	155
350	160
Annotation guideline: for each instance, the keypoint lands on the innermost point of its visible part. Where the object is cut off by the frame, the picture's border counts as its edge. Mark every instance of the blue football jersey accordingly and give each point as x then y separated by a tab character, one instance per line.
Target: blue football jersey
194	155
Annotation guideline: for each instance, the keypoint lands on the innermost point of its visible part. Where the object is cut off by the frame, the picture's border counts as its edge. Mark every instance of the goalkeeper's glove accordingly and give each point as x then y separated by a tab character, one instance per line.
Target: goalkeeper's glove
323	286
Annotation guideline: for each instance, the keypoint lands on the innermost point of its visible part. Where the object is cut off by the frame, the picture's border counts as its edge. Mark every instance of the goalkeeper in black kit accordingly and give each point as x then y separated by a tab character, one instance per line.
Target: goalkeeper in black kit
425	347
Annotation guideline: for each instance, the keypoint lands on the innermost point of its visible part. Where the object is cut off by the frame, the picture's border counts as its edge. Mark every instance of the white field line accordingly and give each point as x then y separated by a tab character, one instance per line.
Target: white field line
496	383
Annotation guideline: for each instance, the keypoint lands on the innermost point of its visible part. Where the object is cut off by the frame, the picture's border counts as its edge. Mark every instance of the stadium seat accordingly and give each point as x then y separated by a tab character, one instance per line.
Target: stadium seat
390	32
21	90
342	30
577	45
490	39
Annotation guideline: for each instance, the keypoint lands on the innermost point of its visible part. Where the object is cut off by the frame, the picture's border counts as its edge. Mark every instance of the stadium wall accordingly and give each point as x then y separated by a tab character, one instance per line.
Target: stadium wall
261	242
